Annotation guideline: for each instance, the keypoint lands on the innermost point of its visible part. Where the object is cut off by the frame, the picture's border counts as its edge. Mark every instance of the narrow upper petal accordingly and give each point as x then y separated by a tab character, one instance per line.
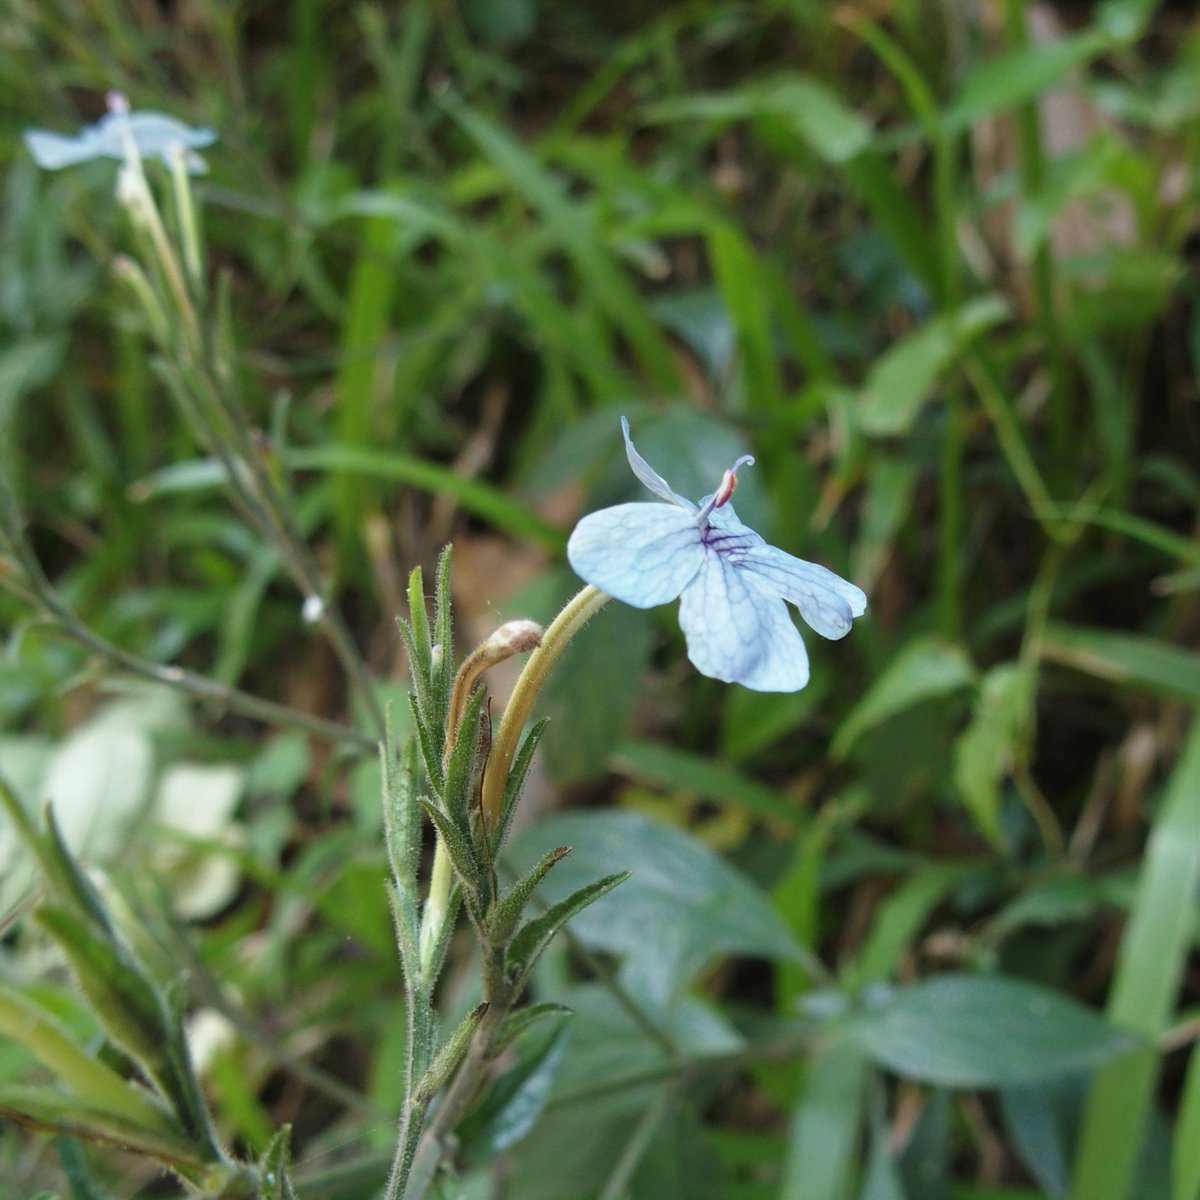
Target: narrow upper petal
649	476
643	554
825	600
737	632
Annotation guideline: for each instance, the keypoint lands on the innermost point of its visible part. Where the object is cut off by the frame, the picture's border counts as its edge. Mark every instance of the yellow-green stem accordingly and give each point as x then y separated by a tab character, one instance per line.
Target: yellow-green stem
578	611
564	627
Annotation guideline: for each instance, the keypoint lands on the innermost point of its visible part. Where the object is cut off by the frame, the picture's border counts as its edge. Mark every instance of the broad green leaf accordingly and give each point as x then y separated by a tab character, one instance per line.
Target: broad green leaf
1126	658
826	1124
984	1031
903	380
985	751
1150	964
590	705
924	669
681	907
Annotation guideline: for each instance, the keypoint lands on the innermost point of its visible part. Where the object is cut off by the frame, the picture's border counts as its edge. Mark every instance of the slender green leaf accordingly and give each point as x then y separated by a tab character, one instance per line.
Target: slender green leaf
92	1081
1021	75
446	1060
735	267
900	919
1126	658
275	1168
48	1109
458	845
826	1124
534	936
508	912
478	498
1150	965
987	748
1185	1150
372	285
665	766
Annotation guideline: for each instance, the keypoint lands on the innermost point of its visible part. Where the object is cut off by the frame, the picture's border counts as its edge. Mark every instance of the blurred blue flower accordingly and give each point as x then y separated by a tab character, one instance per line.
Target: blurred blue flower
730	583
151	134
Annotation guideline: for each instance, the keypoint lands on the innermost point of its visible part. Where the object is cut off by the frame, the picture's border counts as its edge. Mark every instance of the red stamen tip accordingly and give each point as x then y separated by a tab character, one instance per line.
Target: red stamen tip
728	483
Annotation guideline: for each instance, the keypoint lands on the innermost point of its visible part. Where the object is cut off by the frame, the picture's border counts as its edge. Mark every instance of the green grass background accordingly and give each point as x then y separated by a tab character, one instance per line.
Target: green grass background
935	264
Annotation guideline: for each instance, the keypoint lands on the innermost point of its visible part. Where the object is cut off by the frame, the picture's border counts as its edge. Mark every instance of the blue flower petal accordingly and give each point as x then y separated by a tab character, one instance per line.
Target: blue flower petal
825	600
649	476
153	133
54	150
738	633
643	554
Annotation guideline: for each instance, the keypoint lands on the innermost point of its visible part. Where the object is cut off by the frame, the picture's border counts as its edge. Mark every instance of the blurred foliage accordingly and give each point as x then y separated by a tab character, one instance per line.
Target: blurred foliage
935	264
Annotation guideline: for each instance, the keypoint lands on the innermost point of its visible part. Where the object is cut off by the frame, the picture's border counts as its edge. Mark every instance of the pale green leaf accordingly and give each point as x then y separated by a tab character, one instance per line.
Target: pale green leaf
984	753
925	669
903	380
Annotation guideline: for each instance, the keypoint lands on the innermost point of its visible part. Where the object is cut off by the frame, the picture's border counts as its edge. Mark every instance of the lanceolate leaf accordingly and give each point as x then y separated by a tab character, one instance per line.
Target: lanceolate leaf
275	1168
446	1060
984	1031
58	1112
460	771
535	936
508	912
458	846
525	1018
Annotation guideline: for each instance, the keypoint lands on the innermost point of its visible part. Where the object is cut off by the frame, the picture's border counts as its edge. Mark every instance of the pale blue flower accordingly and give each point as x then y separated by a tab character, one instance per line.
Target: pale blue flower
152	135
731	585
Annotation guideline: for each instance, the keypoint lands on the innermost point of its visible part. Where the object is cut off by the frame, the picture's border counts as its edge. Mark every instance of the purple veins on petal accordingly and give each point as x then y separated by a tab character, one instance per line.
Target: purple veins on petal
738	634
826	601
643	554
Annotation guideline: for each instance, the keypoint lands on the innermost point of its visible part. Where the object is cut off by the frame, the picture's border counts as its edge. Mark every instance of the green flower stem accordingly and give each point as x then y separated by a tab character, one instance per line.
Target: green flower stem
413	1172
185	211
578	611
